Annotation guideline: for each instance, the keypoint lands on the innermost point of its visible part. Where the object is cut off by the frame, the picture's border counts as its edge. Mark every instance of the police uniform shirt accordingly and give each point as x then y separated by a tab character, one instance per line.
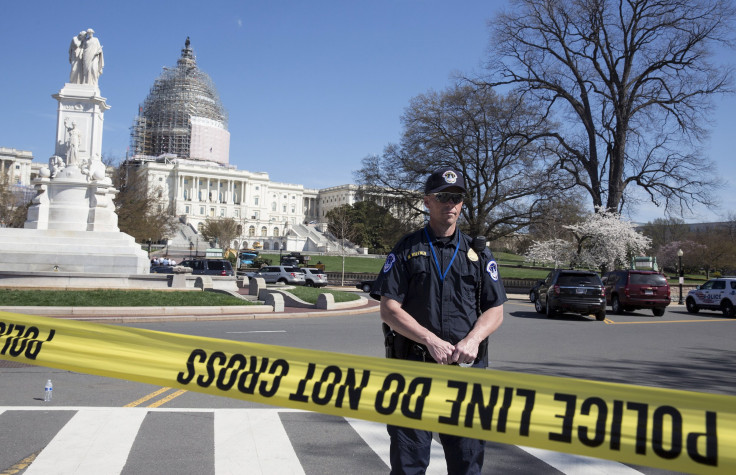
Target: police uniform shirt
444	305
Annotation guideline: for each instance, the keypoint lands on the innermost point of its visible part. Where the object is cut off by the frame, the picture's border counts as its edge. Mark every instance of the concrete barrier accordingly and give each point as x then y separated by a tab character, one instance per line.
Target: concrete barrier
178	281
274	299
256	285
203	282
326	301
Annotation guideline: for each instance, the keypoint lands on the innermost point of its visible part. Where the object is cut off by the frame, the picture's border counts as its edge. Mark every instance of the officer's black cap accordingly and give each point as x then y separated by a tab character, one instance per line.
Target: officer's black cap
444	178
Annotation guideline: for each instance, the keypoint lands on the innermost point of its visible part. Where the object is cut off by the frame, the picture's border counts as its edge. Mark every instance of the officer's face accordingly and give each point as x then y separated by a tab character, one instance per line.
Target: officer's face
443	214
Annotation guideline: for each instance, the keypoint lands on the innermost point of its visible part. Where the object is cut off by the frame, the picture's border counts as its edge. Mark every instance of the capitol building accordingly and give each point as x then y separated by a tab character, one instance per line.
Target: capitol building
180	148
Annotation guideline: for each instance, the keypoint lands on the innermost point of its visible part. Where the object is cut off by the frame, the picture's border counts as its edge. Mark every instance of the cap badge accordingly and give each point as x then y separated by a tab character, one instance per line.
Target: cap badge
450	176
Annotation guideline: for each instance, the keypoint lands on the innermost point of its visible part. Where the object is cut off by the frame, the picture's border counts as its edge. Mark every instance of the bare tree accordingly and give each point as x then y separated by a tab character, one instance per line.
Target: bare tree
665	230
485	136
14	203
140	212
340	224
631	85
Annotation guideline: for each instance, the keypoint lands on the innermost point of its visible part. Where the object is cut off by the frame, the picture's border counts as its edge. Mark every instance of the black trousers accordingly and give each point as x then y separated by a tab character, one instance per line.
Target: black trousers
410	450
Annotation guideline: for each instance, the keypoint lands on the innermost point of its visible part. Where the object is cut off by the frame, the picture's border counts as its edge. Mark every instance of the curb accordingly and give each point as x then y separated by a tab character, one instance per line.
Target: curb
180	314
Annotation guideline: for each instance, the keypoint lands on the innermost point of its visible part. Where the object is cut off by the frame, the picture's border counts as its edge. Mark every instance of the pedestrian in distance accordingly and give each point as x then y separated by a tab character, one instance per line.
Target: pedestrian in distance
441	298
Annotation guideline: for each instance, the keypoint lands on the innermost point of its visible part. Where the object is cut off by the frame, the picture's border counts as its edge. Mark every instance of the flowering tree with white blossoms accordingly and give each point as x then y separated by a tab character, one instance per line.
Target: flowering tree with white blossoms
602	240
552	250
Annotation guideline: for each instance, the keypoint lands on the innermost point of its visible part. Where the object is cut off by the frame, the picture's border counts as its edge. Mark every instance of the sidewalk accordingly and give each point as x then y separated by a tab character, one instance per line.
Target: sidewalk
174	314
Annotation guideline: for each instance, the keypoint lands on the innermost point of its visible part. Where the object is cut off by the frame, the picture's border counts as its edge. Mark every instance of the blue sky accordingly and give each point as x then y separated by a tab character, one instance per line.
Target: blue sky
311	87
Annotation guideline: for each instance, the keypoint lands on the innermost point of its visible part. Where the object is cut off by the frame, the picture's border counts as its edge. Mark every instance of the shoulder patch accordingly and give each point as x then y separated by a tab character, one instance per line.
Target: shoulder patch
390	260
492	269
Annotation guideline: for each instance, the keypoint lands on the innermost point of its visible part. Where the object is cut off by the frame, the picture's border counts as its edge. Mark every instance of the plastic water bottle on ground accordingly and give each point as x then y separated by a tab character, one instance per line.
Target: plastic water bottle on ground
48	391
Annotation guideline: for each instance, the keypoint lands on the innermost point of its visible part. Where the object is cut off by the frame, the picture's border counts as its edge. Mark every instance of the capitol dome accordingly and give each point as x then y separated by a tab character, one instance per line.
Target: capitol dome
182	116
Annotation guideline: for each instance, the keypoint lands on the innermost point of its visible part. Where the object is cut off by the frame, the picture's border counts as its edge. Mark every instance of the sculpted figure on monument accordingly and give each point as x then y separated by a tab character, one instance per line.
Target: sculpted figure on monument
56	164
92	59
72	143
76	48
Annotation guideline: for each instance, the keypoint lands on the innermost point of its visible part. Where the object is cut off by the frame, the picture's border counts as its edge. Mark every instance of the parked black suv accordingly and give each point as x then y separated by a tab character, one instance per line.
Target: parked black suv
209	266
628	290
572	291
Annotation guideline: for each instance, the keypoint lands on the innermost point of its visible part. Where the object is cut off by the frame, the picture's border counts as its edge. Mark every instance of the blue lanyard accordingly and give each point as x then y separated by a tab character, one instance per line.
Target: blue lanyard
436	261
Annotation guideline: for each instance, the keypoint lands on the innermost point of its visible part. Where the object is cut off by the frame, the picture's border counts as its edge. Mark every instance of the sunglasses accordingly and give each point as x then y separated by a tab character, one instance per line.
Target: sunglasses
444	197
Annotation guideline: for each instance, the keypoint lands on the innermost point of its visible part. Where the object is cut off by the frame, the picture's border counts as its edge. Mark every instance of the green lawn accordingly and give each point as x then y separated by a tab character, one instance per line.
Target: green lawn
144	298
310	294
115	298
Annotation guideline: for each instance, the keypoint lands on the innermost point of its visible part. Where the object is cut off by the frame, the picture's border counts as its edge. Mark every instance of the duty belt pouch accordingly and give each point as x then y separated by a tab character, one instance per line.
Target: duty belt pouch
482	351
389	337
397	346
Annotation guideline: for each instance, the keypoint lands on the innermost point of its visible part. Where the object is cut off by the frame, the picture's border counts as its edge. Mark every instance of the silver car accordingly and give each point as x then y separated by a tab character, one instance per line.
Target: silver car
314	277
286	274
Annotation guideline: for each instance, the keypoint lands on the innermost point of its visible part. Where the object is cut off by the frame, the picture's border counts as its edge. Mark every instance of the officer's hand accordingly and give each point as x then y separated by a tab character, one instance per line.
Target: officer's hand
441	351
465	353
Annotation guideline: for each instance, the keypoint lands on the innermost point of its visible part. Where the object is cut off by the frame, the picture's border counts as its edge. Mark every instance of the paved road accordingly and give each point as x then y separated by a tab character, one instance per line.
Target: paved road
86	428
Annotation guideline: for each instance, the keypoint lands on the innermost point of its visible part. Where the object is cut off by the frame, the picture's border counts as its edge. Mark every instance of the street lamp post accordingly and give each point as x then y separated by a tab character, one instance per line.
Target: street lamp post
191	248
682	274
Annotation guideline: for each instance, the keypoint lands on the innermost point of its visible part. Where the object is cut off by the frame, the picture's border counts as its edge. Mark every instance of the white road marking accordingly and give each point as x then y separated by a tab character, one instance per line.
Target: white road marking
374	434
259	331
570	464
93	442
254	442
97	440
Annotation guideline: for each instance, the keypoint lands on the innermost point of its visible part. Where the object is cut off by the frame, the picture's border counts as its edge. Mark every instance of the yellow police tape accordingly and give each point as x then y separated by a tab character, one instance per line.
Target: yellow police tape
675	430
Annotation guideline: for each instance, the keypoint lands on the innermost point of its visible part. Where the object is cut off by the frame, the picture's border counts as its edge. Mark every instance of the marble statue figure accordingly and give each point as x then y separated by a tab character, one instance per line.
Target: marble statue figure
76	48
56	164
92	59
72	144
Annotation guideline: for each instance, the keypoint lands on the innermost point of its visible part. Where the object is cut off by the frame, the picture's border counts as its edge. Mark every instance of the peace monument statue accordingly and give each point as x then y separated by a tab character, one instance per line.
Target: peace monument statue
86	58
72	221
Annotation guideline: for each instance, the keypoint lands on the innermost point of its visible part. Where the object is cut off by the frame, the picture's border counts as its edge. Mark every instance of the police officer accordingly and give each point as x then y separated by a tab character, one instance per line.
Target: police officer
440	300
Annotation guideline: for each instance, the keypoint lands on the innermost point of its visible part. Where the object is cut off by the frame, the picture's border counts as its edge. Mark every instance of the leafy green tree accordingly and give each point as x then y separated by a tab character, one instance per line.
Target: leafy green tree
222	231
368	225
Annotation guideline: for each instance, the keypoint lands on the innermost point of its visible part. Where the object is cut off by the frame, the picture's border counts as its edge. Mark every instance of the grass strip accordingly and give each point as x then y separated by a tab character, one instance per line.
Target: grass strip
115	298
310	294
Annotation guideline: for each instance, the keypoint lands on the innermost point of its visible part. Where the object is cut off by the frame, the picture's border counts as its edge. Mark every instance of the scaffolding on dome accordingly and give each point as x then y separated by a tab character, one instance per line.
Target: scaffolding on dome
164	121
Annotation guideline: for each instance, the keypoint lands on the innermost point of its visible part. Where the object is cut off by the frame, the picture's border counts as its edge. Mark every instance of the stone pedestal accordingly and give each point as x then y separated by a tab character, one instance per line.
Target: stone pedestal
67	251
71	202
80	104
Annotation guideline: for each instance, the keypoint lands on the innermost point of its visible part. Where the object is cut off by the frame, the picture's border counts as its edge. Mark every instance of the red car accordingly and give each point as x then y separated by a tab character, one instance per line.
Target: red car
628	290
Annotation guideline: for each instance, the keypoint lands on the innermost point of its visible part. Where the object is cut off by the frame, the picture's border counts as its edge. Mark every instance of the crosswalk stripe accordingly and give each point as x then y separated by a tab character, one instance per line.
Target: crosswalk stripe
579	465
375	435
98	440
93	442
255	439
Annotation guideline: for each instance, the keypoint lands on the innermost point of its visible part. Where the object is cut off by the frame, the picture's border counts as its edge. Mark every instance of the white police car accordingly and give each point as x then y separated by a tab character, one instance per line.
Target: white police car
715	294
